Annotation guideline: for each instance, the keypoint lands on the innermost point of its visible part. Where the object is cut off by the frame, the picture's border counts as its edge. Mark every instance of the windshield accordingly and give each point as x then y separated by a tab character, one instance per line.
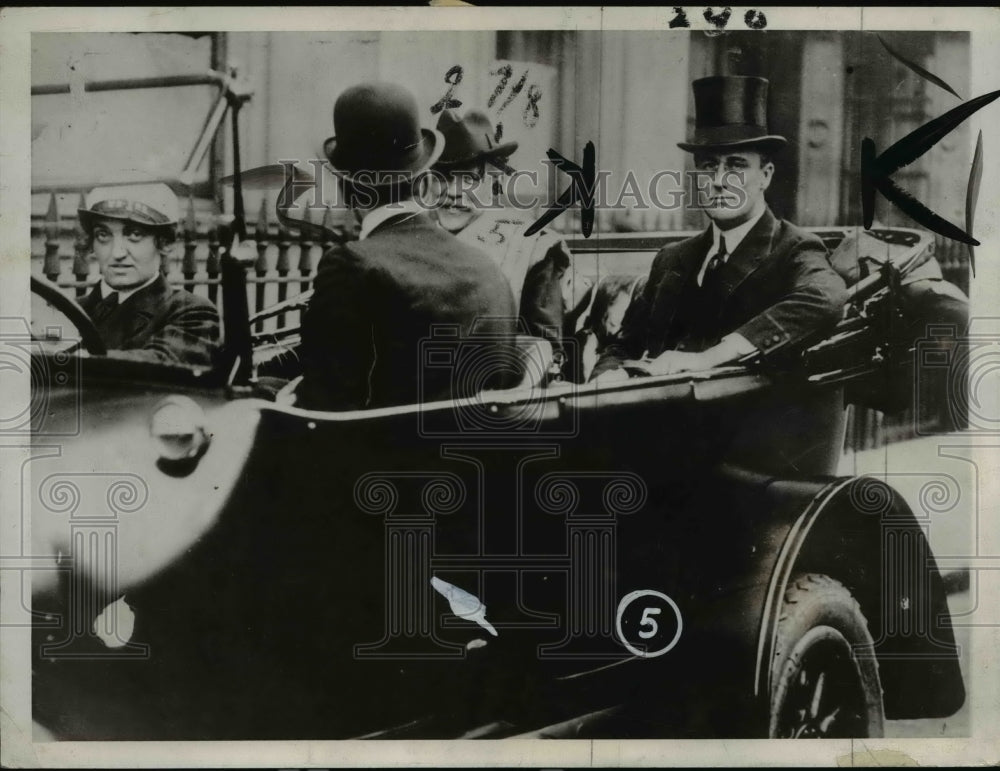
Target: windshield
82	136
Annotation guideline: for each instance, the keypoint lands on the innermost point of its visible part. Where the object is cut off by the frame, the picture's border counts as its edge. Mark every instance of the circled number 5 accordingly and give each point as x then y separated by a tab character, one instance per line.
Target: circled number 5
646	621
648	626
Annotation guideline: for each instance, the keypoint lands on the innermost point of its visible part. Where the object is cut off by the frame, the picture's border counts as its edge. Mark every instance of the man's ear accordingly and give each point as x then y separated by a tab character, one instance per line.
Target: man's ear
767	168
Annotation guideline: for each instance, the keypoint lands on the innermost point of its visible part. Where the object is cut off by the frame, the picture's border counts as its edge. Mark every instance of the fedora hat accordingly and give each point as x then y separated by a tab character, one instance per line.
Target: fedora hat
470	140
152	205
378	130
731	113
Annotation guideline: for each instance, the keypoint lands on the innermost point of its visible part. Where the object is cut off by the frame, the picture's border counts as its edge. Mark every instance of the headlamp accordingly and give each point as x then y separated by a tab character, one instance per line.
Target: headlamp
177	427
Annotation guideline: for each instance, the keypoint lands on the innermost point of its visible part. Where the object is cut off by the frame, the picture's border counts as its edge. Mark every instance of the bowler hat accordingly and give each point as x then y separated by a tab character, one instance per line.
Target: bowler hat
731	113
152	205
378	130
470	140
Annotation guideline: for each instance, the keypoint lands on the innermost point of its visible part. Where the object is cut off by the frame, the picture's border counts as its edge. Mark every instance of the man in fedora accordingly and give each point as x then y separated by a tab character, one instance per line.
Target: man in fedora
376	300
750	282
130	229
534	265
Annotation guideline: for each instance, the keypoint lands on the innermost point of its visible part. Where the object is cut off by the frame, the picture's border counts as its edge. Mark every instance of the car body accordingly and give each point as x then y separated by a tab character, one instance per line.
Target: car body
559	559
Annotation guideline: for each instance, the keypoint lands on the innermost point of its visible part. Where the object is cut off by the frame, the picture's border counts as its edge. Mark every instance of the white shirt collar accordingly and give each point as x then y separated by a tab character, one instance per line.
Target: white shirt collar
123	294
734	237
376	217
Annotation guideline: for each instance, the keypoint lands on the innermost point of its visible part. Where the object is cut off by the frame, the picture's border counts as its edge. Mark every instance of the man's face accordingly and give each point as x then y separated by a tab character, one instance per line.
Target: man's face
457	195
126	252
737	185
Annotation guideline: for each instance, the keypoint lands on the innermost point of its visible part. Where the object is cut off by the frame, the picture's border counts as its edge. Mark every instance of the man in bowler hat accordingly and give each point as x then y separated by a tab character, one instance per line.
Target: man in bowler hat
750	282
130	229
376	300
534	265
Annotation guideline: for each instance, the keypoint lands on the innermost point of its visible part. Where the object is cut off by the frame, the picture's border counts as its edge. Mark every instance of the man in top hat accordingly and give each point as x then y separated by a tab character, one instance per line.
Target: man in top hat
750	282
131	229
378	299
534	265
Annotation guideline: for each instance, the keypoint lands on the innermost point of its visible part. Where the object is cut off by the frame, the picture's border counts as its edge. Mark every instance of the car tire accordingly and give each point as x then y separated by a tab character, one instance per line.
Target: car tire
824	675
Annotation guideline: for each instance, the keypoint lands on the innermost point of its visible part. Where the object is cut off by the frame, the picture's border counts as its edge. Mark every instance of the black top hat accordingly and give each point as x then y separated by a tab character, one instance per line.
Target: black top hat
470	140
378	130
731	113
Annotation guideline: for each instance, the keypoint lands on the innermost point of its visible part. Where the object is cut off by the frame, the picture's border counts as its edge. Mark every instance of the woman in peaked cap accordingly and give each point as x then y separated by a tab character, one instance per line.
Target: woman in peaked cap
130	229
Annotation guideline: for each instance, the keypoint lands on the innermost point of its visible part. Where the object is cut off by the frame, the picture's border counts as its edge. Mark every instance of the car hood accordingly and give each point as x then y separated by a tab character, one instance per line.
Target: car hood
93	468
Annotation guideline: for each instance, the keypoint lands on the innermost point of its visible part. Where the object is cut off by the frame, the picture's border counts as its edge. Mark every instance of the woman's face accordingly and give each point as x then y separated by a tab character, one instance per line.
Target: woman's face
127	253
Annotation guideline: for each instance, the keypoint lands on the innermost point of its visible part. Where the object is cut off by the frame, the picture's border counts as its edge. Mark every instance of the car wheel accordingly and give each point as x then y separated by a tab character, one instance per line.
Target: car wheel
824	675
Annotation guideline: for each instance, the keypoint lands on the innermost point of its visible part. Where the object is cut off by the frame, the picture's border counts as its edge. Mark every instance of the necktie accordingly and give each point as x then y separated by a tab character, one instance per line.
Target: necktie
105	307
714	262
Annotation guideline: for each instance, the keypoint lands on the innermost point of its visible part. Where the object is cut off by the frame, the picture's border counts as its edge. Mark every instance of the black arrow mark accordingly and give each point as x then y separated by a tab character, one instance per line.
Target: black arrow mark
925	74
580	190
972	194
875	171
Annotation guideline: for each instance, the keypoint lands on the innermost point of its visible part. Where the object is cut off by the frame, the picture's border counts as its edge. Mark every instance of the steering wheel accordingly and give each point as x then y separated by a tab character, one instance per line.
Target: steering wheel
90	338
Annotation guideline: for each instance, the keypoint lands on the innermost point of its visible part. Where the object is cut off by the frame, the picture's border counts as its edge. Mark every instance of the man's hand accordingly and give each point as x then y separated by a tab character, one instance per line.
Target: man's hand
731	348
670	362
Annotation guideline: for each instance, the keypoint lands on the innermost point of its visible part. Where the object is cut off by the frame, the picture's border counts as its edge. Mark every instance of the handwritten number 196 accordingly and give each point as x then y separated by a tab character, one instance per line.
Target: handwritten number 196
753	18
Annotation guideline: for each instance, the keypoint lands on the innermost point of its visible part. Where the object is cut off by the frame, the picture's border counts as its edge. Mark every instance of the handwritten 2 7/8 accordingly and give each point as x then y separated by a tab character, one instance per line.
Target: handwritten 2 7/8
505	73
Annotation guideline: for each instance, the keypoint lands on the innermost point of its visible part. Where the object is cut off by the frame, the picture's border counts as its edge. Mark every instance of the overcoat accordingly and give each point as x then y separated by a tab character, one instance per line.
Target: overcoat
158	323
387	309
775	289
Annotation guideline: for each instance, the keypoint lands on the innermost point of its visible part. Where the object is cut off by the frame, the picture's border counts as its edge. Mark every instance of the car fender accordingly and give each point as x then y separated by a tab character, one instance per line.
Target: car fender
857	530
860	531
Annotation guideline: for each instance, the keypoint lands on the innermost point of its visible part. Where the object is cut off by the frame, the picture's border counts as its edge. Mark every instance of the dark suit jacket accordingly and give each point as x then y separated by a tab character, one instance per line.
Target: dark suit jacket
542	299
776	289
160	323
376	303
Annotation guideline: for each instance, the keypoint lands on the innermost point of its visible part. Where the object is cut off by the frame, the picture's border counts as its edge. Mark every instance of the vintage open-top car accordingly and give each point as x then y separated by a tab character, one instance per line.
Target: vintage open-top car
668	556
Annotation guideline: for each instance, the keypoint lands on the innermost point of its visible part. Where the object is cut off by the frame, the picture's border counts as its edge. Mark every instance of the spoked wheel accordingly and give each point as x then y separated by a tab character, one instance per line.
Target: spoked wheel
824	678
